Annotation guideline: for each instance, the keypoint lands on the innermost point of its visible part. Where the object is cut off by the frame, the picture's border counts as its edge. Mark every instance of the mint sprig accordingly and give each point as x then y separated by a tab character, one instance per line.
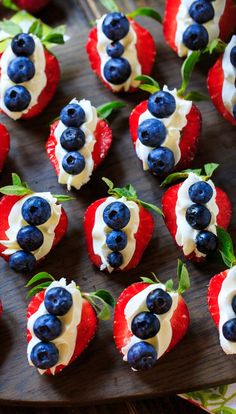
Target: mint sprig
205	172
187	69
101	300
225	247
148	83
146	11
44	279
105	110
129	193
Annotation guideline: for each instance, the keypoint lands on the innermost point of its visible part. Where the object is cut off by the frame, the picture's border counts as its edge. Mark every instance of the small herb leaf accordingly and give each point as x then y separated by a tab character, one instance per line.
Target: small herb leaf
187	69
183	277
147	280
210	168
225	246
55	38
217	46
106	296
36	28
10	4
15	190
16	180
61	197
104	111
179	176
39	277
146	11
149	84
195	96
110	5
148	88
169	285
151	207
38	289
10	27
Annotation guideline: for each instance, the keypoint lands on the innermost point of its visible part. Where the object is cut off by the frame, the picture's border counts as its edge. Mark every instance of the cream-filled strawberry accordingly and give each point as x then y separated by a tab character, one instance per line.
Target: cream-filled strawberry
114	228
79	141
150	319
32	223
61	321
193	24
193	210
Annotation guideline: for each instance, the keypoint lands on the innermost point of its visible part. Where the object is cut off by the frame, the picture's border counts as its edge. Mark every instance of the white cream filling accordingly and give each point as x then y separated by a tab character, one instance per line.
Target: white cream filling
130	53
16	222
34	86
100	231
174	125
88	127
226	295
184	20
186	235
137	304
229	90
65	343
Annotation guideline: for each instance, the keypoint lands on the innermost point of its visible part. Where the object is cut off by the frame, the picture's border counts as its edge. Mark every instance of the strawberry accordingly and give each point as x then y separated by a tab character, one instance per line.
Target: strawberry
31	6
4	145
195	244
81	324
120	250
15	219
132	305
94	125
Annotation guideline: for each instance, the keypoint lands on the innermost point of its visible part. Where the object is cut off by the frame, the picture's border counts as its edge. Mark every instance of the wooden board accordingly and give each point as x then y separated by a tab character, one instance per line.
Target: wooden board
100	375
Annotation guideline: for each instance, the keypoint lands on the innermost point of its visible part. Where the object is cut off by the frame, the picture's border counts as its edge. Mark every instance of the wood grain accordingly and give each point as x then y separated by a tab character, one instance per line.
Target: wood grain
100	375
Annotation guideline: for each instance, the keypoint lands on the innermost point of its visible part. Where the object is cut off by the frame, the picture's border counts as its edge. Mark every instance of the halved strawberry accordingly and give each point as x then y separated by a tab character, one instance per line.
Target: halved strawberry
4	145
31	6
213	294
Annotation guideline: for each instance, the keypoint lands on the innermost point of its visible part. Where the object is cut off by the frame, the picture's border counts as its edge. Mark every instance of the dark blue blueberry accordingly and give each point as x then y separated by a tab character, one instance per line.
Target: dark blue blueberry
233	56
36	210
142	356
72	139
115	259
21	69
47	327
200	192
195	37
116	215
44	355
201	11
23	44
161	104
58	301
115	26
161	160
206	242
145	325
117	70
229	330
234	303
234	111
17	98
158	301
116	240
73	163
198	216
115	49
29	238
72	115
152	132
22	262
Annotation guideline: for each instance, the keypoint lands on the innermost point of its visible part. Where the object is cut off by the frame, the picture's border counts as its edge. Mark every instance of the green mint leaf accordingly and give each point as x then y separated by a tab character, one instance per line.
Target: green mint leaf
108	182
183	277
10	27
104	111
106	296
147	280
187	69
216	46
110	5
225	246
36	28
38	277
196	96
15	190
169	285
16	180
210	168
223	389
62	198
37	289
149	84
146	11
104	314
151	207
128	191
10	5
148	88
172	178
55	38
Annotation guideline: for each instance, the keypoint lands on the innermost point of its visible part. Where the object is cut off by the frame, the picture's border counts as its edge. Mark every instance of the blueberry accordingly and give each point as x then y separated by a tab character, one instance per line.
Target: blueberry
115	259
145	325
195	37
72	115
229	330
20	70
116	240
115	26
115	49
234	303
44	355
117	70
152	132
206	242
234	111
159	301
201	11
47	327
58	301
30	238
161	104
198	216
23	44
200	192
73	163
17	98
36	210
116	215
233	56
142	356
72	139
22	262
161	160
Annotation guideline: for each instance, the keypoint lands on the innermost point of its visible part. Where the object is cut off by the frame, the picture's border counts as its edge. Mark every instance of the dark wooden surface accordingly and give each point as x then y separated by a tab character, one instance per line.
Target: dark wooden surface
99	375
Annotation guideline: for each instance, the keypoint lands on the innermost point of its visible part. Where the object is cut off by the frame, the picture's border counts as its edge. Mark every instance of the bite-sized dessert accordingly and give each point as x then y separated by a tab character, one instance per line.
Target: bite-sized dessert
222	82
79	141
193	210
29	72
4	145
150	319
61	321
115	227
193	24
119	49
32	6
32	223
